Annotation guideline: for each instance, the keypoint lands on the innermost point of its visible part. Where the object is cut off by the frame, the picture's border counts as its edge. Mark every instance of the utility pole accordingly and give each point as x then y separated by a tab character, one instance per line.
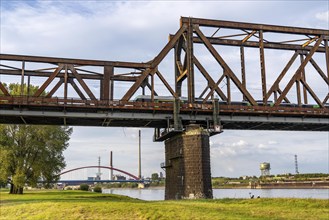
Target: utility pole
139	157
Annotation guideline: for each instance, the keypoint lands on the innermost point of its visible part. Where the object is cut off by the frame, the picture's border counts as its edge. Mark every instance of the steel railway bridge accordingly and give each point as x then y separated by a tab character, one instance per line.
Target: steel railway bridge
203	87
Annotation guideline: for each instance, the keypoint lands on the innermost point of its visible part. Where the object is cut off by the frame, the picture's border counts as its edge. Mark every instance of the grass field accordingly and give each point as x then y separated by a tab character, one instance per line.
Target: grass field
88	205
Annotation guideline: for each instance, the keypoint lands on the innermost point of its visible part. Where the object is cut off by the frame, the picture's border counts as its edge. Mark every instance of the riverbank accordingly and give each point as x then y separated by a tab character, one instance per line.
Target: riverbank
271	185
277	185
153	194
286	185
87	205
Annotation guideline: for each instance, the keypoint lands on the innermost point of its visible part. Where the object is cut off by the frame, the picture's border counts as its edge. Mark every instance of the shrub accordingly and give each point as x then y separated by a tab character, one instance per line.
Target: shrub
98	189
133	185
84	187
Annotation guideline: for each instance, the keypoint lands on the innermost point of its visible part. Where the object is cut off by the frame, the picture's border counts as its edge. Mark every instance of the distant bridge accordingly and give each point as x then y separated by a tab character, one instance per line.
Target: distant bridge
103	167
134	179
78	182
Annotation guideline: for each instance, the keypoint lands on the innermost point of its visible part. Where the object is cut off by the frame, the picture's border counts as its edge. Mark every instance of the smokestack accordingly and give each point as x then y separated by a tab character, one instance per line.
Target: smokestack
111	165
139	157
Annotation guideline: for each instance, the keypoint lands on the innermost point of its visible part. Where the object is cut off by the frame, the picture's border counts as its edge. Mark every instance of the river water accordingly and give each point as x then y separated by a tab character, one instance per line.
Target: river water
158	193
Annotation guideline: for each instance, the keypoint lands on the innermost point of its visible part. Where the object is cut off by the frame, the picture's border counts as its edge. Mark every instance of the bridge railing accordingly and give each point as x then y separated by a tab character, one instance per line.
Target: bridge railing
185	108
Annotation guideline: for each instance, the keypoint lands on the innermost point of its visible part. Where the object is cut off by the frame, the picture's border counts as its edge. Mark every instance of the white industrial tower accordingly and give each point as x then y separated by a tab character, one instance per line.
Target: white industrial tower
296	165
98	174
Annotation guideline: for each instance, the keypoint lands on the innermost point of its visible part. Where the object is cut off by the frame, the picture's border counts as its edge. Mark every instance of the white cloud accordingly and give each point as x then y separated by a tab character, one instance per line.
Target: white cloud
231	169
323	16
240	143
261	146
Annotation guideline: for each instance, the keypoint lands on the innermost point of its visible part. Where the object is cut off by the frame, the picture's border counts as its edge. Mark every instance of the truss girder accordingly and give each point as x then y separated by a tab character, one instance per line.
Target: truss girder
61	75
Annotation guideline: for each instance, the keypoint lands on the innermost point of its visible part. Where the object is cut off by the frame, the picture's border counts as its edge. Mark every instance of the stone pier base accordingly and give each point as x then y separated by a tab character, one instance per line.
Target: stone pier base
188	165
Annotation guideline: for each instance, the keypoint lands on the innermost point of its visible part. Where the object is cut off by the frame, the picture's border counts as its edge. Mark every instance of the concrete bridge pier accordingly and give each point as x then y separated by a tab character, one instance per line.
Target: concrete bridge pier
187	165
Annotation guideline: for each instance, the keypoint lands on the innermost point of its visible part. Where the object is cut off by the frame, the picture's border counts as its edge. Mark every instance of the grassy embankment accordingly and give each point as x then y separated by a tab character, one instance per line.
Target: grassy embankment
88	205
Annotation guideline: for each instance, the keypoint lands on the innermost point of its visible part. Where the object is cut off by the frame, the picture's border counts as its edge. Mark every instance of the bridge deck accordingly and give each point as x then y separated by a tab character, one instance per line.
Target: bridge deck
31	110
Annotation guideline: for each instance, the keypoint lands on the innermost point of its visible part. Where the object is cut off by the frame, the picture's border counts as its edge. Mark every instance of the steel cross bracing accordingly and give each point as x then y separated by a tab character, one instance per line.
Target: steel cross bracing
215	63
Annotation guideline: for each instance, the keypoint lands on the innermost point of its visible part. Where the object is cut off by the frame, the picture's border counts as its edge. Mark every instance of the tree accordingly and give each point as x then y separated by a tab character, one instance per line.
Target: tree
15	89
155	176
31	153
3	184
84	187
98	189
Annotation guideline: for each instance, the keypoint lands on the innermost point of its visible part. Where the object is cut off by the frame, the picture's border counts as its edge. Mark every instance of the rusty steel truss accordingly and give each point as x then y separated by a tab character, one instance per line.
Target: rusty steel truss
195	83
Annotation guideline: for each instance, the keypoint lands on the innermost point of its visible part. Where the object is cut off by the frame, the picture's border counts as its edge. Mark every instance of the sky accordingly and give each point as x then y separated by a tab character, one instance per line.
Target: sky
137	31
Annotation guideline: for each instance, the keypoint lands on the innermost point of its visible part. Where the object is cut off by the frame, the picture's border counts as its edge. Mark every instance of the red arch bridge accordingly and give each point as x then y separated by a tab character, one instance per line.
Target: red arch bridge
132	178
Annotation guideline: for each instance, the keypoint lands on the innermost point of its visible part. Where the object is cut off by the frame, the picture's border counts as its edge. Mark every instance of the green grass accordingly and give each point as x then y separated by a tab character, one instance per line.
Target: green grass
88	205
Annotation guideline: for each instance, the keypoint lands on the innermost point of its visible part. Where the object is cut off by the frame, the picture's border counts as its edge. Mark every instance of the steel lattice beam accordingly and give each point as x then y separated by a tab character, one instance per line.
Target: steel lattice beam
61	75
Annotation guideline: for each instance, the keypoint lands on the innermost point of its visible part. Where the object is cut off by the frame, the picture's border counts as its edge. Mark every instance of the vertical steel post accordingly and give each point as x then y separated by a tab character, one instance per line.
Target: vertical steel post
228	85
327	53
177	122
262	65
22	78
143	90
299	99
107	83
298	90
275	95
28	85
152	87
215	104
111	88
65	82
178	85
190	64
101	95
243	70
304	78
